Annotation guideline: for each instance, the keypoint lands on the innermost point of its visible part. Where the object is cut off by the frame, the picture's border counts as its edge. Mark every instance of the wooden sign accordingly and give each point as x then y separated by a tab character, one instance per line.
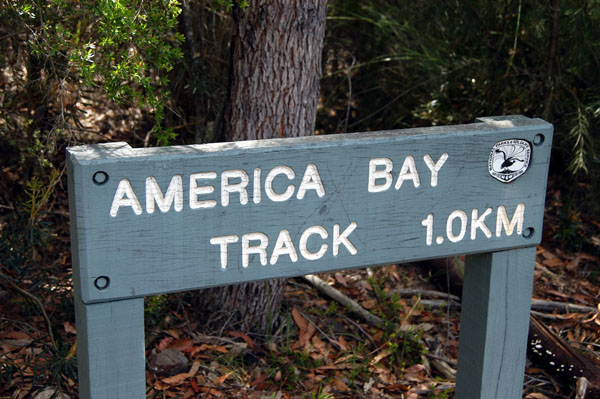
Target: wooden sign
155	220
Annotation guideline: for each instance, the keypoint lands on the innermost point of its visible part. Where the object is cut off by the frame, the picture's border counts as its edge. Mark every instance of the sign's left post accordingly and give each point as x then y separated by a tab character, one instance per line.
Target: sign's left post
110	335
110	349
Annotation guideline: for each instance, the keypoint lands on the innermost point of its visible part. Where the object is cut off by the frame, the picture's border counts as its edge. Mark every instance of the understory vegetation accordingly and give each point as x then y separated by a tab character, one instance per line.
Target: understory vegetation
154	73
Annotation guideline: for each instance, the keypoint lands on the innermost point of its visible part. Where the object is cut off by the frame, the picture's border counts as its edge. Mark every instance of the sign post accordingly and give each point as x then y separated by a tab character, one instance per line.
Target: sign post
158	220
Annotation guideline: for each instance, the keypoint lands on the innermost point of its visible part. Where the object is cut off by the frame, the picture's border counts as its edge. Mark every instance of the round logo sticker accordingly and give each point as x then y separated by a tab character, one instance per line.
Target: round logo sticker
509	159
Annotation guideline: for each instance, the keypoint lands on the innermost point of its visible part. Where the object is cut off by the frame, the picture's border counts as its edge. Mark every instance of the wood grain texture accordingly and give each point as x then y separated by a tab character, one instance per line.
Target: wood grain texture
494	324
164	252
111	349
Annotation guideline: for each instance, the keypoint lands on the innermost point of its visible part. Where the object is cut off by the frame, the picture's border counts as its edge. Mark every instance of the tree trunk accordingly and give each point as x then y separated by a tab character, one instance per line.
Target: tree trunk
273	92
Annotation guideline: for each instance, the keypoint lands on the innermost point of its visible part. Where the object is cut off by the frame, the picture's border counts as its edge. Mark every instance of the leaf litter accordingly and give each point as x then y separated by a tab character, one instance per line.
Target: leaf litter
320	350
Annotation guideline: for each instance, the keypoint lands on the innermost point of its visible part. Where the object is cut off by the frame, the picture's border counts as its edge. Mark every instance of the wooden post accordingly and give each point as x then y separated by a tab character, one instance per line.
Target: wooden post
494	324
149	221
110	349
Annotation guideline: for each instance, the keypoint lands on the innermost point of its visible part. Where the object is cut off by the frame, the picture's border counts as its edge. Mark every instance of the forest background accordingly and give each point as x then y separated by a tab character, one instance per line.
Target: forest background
154	72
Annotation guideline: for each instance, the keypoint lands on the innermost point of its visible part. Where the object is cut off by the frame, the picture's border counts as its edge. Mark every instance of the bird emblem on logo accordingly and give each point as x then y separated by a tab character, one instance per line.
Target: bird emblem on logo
509	159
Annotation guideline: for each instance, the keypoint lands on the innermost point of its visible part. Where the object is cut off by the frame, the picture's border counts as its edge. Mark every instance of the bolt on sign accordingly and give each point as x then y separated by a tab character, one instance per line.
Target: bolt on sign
157	220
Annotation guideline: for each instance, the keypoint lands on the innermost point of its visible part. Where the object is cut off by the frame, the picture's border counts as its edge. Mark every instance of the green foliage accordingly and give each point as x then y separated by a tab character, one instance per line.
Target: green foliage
229	4
156	308
405	343
440	394
68	47
402	64
319	394
56	55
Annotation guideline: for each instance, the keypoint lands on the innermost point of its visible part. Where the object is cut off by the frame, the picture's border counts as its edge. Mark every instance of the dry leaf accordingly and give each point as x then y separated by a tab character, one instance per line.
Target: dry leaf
343	343
174	333
69	328
572	265
221	379
340	385
182	345
300	321
259	382
340	279
536	395
382	355
164	343
20	335
179	378
369	304
415	373
553	262
307	330
243	336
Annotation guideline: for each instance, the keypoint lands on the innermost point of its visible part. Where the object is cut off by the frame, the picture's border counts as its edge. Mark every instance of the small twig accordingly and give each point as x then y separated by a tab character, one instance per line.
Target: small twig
331	341
547	316
443	359
581	388
349	102
37	301
440	303
423	293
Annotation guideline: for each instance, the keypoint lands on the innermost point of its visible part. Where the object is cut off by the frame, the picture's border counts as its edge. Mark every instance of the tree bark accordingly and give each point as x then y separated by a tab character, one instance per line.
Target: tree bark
273	92
274	81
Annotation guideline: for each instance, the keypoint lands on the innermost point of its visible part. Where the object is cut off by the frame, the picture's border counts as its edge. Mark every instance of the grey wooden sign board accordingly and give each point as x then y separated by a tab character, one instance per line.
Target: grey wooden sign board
156	220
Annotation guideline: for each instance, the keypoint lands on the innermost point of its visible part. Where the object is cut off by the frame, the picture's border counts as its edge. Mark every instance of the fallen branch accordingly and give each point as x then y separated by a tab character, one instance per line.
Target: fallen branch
536	306
349	303
441	366
562	307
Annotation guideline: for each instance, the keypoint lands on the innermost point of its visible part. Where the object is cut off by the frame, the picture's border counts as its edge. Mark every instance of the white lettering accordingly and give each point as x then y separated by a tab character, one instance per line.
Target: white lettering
435	167
223	241
240	187
256	194
154	194
343	239
304	240
287	194
196	190
125	196
463	225
311	181
428	222
376	174
284	246
408	172
260	249
502	220
479	222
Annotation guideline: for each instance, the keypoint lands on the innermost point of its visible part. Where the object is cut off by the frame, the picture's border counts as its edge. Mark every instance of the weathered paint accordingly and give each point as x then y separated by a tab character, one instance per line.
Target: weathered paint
157	224
494	324
147	221
111	349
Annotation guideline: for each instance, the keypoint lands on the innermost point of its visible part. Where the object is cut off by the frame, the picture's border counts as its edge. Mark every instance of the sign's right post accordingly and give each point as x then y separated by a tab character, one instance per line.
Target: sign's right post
494	324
